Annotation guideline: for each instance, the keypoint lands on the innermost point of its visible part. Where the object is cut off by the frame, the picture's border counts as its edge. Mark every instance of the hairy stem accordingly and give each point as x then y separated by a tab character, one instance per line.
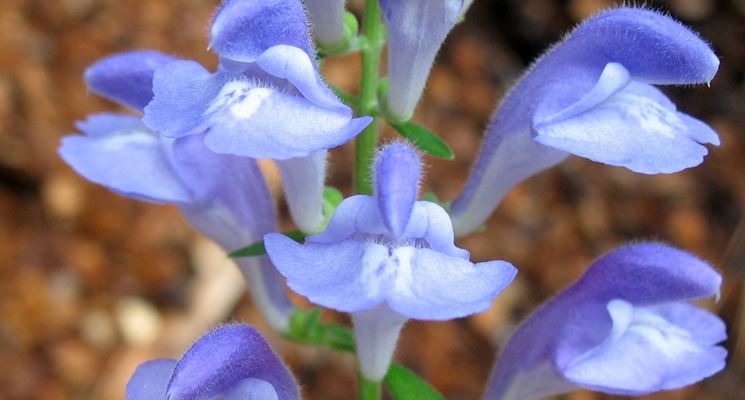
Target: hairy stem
374	34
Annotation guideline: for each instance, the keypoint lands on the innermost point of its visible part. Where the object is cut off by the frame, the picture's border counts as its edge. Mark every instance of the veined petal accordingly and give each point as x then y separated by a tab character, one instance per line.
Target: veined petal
433	286
126	157
262	122
242	30
293	64
126	78
150	380
416	30
327	20
397	175
644	353
183	90
222	360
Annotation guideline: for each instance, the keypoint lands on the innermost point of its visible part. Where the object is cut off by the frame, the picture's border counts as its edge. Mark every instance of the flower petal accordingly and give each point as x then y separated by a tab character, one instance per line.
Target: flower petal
252	389
182	92
261	122
648	274
243	30
397	175
150	380
303	183
126	157
703	326
126	78
348	276
221	360
355	214
645	353
433	286
416	30
631	128
293	64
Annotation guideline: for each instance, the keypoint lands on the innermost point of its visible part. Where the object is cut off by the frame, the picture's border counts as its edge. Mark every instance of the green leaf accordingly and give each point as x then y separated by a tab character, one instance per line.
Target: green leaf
404	384
258	249
424	139
339	338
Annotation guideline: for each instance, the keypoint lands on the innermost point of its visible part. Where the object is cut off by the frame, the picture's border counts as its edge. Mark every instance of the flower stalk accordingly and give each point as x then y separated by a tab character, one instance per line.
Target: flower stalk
374	33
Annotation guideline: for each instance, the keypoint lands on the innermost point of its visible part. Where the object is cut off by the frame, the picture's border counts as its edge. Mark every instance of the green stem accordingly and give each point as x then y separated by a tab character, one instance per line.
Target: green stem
374	33
369	390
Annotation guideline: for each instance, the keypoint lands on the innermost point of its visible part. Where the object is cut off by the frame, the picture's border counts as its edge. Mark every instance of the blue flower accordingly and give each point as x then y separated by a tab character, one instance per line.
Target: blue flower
267	99
592	95
386	259
233	362
416	30
223	196
624	328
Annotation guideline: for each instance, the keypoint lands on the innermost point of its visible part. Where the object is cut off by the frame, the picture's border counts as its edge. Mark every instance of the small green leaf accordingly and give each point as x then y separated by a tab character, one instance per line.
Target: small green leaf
258	249
425	140
339	338
404	384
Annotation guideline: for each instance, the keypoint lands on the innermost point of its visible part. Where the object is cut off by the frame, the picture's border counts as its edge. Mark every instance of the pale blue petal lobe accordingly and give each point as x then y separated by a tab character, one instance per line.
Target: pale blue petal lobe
346	276
435	286
262	122
123	155
126	78
183	90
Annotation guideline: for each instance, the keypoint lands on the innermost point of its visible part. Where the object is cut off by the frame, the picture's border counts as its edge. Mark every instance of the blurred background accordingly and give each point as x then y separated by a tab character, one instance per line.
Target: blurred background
92	284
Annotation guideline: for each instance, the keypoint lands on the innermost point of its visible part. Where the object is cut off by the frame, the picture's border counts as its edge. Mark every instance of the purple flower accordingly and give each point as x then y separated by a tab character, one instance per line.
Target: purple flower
416	30
592	95
624	328
232	362
266	100
386	259
223	196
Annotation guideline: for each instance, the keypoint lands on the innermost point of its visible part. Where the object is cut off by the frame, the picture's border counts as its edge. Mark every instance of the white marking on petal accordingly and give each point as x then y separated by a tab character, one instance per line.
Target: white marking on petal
246	106
375	268
241	98
648	114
